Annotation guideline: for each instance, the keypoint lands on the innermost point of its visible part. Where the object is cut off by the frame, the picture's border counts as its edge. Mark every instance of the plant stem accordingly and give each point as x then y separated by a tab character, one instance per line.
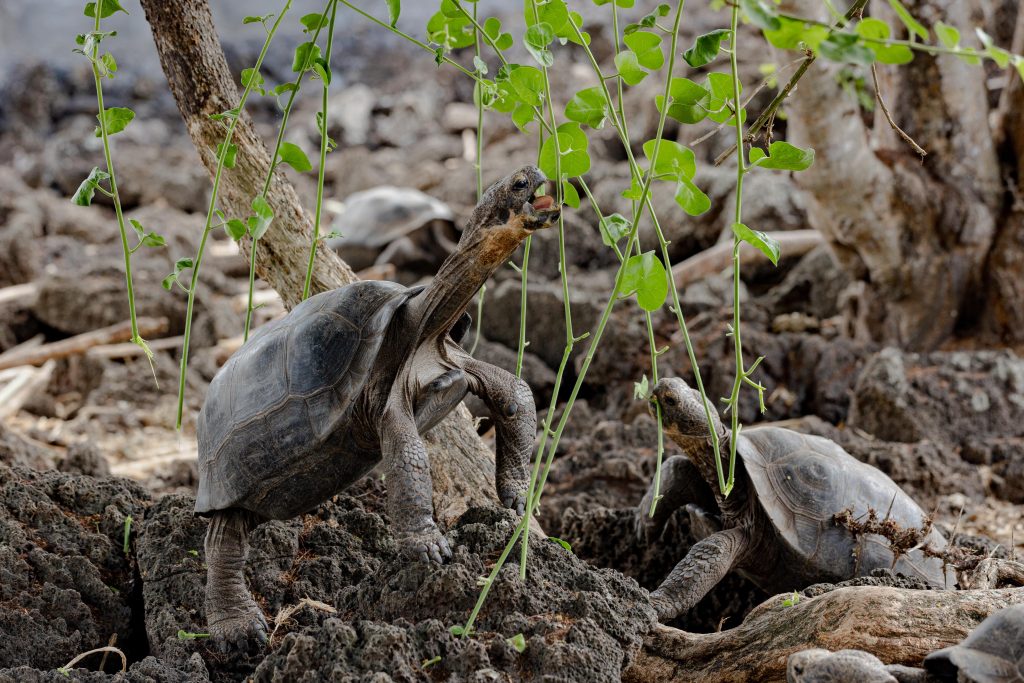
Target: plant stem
115	196
741	169
210	212
478	166
273	166
566	306
323	157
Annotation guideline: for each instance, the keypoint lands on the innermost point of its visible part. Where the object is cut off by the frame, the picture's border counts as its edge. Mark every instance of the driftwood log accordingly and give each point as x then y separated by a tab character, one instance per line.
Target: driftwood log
899	626
202	84
79	344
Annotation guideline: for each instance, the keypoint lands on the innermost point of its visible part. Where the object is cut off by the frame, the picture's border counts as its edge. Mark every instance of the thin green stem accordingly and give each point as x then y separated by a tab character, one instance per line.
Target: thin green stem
478	166
273	166
108	160
563	271
323	157
741	169
197	262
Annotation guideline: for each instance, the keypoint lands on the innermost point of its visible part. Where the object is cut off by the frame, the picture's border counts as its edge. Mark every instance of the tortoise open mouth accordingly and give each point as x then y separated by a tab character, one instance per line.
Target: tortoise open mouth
542	208
544	196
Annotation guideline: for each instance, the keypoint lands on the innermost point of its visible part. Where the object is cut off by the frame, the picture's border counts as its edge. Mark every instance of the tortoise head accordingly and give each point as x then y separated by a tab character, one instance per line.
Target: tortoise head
682	411
510	210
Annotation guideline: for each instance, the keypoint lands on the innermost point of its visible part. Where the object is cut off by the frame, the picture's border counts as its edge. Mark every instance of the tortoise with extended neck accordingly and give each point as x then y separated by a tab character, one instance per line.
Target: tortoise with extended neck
351	378
781	526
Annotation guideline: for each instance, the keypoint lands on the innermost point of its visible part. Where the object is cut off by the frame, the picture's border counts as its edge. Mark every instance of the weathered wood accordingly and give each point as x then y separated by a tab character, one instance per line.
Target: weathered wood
24	294
80	343
130	350
899	626
201	83
719	257
24	386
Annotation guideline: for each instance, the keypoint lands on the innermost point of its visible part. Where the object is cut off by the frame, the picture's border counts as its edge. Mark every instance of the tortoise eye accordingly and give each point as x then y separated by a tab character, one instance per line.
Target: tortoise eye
520	184
670	400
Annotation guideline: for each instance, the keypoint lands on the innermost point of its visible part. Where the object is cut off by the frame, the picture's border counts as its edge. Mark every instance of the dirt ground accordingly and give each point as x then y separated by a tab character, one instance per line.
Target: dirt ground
97	535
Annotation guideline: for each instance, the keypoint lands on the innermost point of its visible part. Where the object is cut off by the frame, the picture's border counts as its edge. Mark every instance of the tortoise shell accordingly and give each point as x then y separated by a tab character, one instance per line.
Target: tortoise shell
264	427
802	482
992	653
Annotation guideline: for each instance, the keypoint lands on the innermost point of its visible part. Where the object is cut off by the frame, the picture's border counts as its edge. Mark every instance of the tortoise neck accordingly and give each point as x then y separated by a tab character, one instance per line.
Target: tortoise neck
702	454
448	295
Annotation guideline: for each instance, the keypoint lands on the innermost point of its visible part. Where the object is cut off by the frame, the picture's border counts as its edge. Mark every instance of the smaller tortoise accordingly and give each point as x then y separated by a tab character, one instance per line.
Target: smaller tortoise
992	653
351	378
847	666
778	526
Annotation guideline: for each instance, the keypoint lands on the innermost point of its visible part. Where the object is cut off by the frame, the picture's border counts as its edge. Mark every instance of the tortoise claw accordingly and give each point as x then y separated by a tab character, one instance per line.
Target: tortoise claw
514	500
246	632
427	546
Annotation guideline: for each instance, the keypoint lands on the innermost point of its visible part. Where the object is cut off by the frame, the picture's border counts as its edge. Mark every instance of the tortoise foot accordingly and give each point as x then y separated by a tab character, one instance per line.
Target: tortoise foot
513	500
665	608
239	632
428	545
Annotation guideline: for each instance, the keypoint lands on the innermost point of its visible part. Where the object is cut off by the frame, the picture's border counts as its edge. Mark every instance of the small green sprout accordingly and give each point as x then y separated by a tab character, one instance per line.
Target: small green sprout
427	663
518	642
188	635
791	600
127	535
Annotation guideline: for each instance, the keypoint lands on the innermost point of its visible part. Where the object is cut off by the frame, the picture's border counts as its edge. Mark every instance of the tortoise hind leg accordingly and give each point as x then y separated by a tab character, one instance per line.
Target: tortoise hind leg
704	566
232	616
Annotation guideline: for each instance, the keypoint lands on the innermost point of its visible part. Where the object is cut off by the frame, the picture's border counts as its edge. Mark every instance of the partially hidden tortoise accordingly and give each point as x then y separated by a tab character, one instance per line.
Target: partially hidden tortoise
778	527
348	379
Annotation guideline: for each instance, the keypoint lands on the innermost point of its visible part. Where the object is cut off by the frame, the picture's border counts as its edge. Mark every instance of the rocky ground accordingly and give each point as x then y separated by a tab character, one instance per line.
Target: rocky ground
97	538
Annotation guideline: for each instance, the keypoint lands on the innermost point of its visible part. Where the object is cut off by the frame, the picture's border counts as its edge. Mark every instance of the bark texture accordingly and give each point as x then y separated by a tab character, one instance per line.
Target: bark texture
899	626
201	83
919	233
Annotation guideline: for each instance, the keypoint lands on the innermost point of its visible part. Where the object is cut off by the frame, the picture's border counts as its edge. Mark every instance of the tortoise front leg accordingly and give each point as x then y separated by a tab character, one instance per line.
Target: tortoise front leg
410	489
681	483
232	616
704	566
510	402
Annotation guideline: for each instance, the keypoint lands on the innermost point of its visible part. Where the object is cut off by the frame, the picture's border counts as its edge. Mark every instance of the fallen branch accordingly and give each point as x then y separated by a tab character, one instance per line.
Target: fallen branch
79	344
899	626
23	294
130	350
25	384
719	257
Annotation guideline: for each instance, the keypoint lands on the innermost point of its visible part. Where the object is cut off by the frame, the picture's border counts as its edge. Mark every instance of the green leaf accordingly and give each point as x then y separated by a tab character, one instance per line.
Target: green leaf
948	35
688	101
846	47
705	48
783	156
323	71
614	228
642	389
147	239
229	157
518	642
536	41
794	34
674	160
84	194
554	13
719	105
109	64
528	83
107	8
450	31
1000	56
647	48
625	4
492	27
629	67
645	275
522	116
887	54
254	19
912	24
259	223
480	66
765	244
589	107
761	14
305	55
691	198
115	120
314	21
235	229
572	147
293	155
570	196
648	20
252	79
394	10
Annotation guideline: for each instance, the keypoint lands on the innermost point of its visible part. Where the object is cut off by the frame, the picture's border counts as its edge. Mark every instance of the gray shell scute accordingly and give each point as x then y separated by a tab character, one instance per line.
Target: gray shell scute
803	481
270	409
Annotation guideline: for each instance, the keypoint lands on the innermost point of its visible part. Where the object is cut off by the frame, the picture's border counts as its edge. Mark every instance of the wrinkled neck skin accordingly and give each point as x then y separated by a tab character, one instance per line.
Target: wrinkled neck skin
480	252
702	454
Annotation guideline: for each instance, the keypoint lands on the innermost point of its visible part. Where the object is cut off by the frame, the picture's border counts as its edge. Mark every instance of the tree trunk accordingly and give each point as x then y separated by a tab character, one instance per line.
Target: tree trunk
899	626
199	78
918	233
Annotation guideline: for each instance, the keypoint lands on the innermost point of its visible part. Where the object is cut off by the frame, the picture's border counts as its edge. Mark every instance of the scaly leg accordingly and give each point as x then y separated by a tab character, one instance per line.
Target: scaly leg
704	566
681	483
515	423
233	617
410	488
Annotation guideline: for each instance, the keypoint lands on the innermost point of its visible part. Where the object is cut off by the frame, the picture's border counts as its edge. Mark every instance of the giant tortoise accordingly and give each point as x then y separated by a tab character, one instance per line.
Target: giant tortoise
350	378
792	517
